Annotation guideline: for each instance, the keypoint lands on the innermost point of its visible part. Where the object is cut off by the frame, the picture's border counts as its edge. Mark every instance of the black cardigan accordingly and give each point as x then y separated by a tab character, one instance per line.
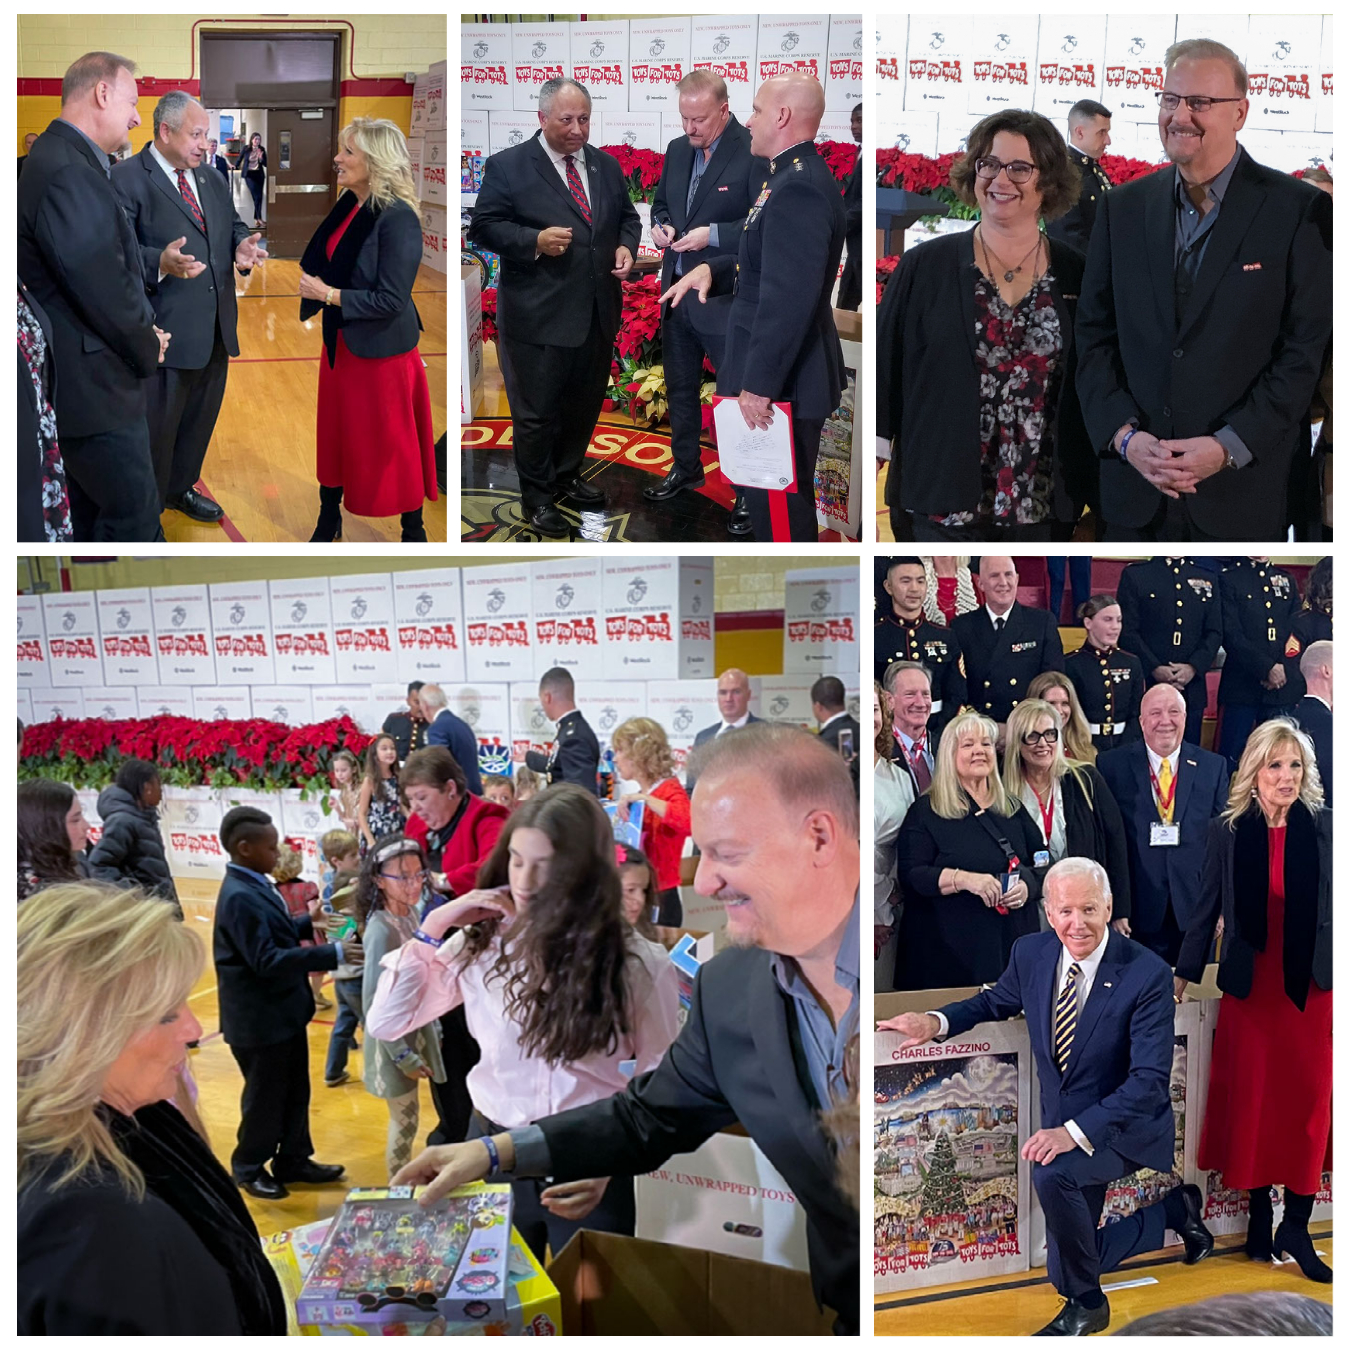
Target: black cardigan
929	389
1097	830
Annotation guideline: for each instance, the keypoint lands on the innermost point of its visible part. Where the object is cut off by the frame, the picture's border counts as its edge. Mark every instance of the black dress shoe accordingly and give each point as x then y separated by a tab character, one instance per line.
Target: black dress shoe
263	1187
582	493
676	481
196	505
739	522
549	520
312	1173
1076	1320
1199	1241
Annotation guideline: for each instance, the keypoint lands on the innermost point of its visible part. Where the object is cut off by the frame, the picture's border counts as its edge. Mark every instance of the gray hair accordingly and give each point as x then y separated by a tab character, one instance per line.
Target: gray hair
432	697
170	109
1315	654
1267	1313
1206	49
1078	867
704	81
892	673
550	88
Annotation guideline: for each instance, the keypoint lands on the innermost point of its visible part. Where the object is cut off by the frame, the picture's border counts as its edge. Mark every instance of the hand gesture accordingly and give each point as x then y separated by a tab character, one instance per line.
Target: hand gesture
1178	987
1122	926
173	262
663	236
163	341
249	253
554	241
1016	895
917	1028
472	907
623	262
574	1200
311	288
694	241
756	410
983	884
1199	457
443	1168
1159	466
353	953
699	280
1046	1145
1276	678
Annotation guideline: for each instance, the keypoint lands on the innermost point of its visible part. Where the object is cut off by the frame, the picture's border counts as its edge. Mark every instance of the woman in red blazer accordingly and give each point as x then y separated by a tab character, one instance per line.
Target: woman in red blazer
643	755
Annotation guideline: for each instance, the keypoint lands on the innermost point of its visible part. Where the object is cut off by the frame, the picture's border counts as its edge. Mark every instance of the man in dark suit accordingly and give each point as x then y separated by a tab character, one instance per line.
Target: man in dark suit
733	702
1089	135
910	685
79	257
1099	1011
1204	316
27	146
782	345
262	977
1168	791
216	160
1313	711
557	212
191	239
698	213
453	732
771	1017
575	757
837	728
1005	644
850	284
1172	620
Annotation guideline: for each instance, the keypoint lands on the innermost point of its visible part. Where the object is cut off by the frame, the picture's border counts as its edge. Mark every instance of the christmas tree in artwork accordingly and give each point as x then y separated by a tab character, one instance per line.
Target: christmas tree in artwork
942	1189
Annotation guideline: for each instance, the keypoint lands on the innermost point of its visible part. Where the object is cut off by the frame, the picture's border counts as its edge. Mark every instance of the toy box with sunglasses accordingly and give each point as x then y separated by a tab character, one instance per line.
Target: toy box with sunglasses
386	1259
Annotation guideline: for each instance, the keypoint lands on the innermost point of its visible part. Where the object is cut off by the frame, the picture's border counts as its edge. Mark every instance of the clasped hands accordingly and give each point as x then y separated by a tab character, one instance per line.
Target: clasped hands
1174	467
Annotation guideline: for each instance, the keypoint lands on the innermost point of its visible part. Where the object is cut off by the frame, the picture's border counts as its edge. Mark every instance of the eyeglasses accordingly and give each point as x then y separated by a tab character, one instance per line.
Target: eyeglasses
405	876
1036	737
1197	103
1019	171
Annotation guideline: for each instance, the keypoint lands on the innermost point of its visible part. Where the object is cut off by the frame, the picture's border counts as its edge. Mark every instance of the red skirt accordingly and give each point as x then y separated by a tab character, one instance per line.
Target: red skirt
374	437
1268	1120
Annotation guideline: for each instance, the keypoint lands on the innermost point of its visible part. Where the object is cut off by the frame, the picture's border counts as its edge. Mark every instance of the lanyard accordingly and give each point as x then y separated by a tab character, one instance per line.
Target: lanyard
1164	803
1047	813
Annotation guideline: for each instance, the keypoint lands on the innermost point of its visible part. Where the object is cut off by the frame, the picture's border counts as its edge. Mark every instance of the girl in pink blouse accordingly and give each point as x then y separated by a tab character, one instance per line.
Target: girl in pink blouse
565	1000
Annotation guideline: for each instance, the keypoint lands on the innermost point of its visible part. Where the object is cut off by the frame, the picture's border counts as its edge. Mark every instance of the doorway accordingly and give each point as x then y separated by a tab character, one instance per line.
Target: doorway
286	86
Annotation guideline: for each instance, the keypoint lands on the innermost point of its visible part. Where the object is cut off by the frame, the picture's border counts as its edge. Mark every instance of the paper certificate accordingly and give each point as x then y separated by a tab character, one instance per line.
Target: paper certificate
750	457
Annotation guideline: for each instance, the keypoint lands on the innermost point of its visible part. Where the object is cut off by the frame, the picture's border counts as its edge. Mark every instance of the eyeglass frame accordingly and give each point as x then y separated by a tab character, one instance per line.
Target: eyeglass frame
406	876
1161	94
1009	166
1050	736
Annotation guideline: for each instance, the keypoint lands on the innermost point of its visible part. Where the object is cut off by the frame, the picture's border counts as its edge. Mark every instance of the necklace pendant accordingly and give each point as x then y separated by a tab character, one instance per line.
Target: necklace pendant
1008	276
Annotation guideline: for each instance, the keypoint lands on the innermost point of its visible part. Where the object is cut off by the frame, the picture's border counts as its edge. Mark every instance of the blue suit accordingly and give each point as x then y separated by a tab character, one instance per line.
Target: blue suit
1115	1088
1164	879
457	736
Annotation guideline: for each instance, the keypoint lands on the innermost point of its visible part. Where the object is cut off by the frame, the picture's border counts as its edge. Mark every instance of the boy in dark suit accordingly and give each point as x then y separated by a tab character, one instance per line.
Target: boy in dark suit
262	976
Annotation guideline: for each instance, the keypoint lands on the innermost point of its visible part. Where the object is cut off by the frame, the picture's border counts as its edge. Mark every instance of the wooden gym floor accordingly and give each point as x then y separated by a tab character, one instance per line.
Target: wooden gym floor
260	466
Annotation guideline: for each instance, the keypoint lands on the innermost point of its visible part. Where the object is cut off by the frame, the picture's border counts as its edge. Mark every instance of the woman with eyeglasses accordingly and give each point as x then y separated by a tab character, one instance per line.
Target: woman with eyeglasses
565	999
1109	682
977	357
1056	688
1068	801
387	898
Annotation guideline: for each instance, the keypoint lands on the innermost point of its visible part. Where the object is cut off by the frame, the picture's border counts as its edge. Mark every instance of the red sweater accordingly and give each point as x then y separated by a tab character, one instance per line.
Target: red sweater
470	844
663	837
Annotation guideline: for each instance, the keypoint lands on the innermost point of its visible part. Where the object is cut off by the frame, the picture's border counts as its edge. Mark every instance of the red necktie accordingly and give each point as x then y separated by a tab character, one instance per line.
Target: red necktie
574	186
921	775
186	192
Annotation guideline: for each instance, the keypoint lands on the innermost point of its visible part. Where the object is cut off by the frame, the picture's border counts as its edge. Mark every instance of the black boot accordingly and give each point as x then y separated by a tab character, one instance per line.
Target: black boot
1260	1221
329	526
1292	1236
414	532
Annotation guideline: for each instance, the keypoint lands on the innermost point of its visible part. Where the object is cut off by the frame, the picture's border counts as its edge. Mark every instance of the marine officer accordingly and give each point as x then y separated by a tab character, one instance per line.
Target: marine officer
575	757
1109	682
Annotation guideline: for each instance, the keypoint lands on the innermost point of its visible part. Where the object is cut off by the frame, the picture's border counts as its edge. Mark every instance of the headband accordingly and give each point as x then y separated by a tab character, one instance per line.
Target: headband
396	850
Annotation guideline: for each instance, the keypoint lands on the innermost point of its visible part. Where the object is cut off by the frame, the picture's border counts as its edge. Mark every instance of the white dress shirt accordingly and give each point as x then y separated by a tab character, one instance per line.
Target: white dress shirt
996	619
173	175
578	160
732	726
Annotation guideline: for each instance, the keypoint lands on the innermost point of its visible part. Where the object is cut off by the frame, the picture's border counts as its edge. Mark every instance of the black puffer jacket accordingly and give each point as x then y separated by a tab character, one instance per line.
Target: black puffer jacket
131	851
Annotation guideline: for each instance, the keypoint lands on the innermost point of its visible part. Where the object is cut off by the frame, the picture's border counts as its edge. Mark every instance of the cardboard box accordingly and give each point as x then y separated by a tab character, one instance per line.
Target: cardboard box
435	170
599	53
415	149
620	1286
436	98
539	52
485	74
435	239
659	619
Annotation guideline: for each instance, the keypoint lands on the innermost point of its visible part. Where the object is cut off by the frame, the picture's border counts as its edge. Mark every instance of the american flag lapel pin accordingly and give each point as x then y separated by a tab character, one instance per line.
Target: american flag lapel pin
723	188
1251	267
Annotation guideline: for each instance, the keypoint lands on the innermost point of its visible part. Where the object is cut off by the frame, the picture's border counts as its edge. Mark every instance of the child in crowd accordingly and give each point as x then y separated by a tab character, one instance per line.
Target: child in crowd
339	922
131	849
641	902
379	811
346	799
340	852
498	787
302	899
528	784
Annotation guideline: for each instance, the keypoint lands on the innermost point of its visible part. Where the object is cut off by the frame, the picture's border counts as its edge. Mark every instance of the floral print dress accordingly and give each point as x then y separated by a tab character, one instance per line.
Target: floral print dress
55	496
384	813
1019	352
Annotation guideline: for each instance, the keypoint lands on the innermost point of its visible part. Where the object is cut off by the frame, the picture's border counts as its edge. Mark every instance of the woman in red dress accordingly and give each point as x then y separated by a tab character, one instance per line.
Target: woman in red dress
375	441
642	755
1268	1121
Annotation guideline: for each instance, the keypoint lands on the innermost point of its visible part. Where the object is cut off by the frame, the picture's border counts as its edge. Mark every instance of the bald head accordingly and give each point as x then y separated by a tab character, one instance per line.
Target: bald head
1162	718
787	111
1315	667
733	694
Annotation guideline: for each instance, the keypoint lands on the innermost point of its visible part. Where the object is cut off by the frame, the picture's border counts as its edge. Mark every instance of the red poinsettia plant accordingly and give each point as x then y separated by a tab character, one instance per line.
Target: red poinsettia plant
488	300
641	169
841	156
254	753
885	266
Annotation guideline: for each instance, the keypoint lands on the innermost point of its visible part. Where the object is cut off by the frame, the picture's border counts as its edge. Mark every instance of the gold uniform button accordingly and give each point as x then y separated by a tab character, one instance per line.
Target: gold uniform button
986	684
1013	683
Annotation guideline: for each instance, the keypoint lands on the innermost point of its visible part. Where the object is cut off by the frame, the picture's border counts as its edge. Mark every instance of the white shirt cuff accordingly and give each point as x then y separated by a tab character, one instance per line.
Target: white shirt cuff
1078	1137
942	1024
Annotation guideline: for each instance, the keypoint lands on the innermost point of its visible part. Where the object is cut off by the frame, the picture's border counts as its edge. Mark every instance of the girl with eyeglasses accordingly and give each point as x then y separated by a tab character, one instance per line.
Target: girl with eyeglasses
1068	801
1109	682
566	1001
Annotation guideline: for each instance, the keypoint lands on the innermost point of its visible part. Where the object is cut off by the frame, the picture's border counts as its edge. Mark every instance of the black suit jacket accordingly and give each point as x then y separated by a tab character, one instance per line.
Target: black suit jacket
1247	352
262	971
999	666
707	734
193	309
1315	718
550	300
781	340
575	757
222	166
732	1062
725	191
929	385
850	284
78	255
1094	829
1074	227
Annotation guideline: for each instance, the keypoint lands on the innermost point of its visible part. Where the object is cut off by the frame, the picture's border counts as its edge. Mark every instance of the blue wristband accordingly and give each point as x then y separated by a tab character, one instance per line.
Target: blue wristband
493	1155
426	937
1125	442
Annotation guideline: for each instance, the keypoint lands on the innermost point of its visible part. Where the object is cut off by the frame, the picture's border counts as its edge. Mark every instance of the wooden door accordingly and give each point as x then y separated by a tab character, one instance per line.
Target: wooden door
301	180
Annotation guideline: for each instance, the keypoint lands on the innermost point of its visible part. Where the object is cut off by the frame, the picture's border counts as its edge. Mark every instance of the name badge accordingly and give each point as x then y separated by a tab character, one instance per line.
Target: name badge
1041	858
1163	836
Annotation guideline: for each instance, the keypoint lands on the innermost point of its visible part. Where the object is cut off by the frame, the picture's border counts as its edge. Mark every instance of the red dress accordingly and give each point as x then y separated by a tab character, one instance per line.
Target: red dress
663	836
374	432
1268	1121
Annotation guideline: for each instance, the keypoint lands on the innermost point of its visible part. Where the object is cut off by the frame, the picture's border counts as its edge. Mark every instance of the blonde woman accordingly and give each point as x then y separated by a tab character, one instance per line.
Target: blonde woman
965	857
375	442
642	755
1056	688
127	1224
1268	877
1068	801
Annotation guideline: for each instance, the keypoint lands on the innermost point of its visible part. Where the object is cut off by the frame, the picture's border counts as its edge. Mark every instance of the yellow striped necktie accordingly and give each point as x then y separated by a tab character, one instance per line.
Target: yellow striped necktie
1066	1016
